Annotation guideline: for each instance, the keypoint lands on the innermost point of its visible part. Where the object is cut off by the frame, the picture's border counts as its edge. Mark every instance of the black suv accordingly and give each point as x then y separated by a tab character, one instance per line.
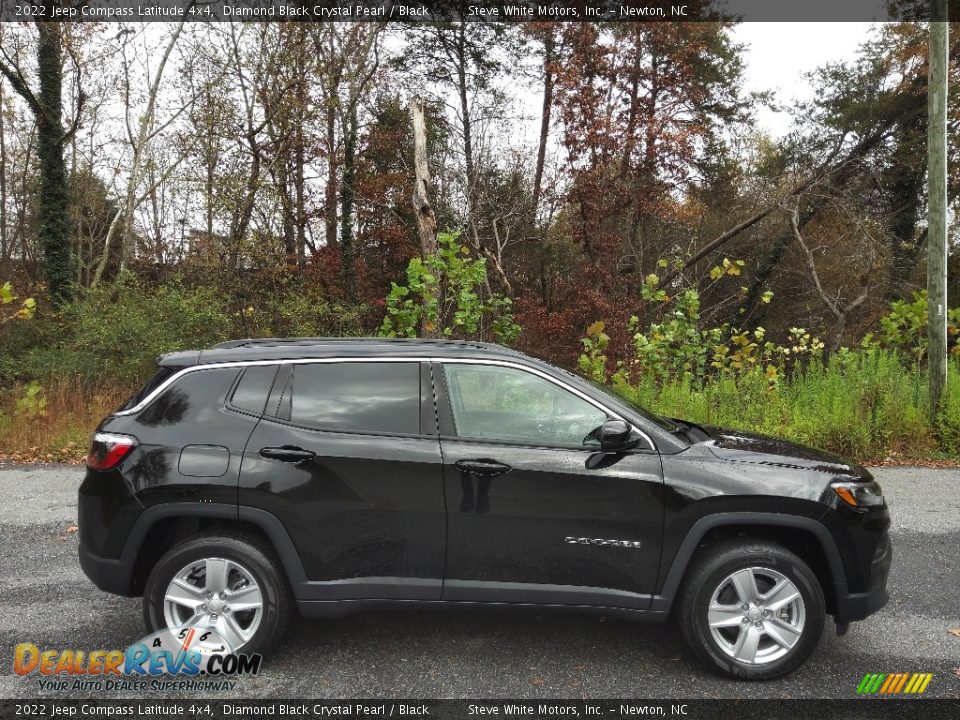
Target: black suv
329	476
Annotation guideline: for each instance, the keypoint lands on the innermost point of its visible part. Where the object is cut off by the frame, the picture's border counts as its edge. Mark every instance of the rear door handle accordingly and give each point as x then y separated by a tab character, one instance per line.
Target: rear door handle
482	467
287	453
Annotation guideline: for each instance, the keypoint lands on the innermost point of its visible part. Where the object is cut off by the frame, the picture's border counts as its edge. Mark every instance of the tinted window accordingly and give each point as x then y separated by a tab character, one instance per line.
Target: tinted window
253	388
152	384
360	397
500	403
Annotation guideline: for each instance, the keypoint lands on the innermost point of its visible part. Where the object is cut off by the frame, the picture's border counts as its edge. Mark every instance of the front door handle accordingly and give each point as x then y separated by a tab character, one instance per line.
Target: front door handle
287	453
482	467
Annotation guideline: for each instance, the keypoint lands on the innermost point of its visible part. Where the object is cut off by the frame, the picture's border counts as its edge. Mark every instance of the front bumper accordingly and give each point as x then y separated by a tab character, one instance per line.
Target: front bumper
857	606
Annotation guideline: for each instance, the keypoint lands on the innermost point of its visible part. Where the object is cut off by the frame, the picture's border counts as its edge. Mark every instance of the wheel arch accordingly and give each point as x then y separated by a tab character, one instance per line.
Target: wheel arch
158	528
802	535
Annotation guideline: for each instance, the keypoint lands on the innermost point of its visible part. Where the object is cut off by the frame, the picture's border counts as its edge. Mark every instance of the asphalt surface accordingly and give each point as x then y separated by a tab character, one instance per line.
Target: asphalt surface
46	599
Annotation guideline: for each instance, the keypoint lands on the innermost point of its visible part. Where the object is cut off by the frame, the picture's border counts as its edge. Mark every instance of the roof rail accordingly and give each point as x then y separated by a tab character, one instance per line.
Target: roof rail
253	342
259	342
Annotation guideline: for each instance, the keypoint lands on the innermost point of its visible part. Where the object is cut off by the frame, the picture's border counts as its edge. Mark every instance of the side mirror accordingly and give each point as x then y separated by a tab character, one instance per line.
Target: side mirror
615	436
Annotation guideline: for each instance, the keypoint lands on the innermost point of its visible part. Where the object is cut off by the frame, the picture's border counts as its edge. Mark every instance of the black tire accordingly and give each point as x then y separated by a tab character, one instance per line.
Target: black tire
256	560
705	576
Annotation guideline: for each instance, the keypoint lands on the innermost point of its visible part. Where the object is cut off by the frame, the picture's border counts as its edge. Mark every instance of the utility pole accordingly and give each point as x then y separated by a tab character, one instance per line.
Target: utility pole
937	202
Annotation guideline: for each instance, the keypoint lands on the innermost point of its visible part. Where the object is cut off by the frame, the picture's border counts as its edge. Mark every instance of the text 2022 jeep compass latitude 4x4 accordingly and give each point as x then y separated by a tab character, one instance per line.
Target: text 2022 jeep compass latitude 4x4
329	476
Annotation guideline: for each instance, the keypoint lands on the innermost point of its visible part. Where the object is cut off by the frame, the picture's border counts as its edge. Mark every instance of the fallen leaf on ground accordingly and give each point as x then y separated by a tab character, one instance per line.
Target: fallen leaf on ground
954	631
537	681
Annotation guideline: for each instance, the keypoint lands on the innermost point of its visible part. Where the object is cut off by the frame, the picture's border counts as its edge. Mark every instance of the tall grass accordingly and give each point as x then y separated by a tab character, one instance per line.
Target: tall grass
56	422
866	405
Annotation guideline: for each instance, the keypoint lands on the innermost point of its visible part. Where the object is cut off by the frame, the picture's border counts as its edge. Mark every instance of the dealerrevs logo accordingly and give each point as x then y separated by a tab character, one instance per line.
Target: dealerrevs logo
181	656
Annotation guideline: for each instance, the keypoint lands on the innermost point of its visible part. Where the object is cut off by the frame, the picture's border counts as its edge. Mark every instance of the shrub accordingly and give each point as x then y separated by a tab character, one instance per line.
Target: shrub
948	419
117	334
863	403
443	295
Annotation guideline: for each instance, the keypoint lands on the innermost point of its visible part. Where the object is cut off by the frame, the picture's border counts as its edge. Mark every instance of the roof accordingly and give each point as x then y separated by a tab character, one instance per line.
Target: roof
321	347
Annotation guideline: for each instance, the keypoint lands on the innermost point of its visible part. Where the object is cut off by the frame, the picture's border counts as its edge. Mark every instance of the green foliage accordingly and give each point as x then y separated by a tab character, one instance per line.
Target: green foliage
905	326
593	361
675	347
117	333
7	297
443	296
33	402
296	313
948	418
867	402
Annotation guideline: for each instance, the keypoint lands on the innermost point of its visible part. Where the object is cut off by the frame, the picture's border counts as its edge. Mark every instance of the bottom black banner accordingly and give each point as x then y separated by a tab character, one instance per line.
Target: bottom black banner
854	709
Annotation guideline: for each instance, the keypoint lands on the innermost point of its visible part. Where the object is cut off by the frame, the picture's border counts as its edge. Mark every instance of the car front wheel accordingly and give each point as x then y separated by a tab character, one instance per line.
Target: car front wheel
751	609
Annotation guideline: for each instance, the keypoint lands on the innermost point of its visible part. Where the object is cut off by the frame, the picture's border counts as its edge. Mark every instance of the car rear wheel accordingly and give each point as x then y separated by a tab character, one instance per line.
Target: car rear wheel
225	584
751	609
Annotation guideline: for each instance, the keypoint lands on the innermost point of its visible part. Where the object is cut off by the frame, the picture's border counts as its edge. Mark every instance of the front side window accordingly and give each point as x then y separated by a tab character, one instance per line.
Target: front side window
500	403
357	397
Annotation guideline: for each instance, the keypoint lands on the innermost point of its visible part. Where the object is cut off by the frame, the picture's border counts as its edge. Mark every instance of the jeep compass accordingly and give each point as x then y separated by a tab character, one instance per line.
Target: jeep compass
260	478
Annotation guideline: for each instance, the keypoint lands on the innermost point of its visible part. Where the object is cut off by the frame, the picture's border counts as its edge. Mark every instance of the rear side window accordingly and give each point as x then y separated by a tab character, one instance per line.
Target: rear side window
251	392
357	397
162	374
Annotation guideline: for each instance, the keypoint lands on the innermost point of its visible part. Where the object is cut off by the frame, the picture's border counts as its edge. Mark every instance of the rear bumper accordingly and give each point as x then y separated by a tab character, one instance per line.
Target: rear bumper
112	575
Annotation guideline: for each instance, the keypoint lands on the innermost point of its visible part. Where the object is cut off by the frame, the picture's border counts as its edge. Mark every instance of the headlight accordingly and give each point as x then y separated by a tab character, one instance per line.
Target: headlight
859	494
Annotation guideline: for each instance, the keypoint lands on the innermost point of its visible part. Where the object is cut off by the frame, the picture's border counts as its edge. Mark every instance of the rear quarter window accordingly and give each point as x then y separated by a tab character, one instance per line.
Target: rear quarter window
162	375
252	390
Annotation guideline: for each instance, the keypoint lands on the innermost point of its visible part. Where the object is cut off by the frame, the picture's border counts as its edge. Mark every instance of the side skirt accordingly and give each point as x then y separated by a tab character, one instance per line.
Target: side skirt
342	608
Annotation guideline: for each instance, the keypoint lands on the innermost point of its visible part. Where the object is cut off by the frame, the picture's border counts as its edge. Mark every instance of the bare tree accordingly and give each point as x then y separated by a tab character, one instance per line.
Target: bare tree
837	307
147	129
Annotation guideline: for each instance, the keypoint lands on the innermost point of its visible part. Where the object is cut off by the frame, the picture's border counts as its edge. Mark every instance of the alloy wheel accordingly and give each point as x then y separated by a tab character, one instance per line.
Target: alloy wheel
218	594
756	615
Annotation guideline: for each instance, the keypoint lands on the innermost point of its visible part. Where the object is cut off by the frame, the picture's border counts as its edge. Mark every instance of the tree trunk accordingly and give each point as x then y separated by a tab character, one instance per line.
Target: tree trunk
469	167
300	211
242	220
4	247
549	46
330	209
426	220
144	135
54	205
346	201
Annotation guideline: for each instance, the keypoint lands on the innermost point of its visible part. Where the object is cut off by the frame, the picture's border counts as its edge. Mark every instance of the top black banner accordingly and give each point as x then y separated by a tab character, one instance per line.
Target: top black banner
426	11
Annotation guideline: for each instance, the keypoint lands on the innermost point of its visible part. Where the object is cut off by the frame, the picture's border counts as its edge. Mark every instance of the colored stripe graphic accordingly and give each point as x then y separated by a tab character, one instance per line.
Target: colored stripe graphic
894	683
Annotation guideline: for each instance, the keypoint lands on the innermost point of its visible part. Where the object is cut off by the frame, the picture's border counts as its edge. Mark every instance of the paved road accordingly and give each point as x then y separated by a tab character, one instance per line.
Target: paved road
45	599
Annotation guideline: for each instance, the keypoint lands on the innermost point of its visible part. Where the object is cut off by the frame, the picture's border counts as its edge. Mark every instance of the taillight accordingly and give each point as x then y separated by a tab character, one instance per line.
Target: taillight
108	449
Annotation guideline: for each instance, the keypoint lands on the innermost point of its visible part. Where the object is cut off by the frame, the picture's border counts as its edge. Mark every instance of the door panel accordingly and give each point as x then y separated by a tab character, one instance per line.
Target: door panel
518	527
535	523
366	512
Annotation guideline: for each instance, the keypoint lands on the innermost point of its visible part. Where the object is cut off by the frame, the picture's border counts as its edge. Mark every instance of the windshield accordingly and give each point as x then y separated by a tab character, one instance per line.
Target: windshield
662	422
